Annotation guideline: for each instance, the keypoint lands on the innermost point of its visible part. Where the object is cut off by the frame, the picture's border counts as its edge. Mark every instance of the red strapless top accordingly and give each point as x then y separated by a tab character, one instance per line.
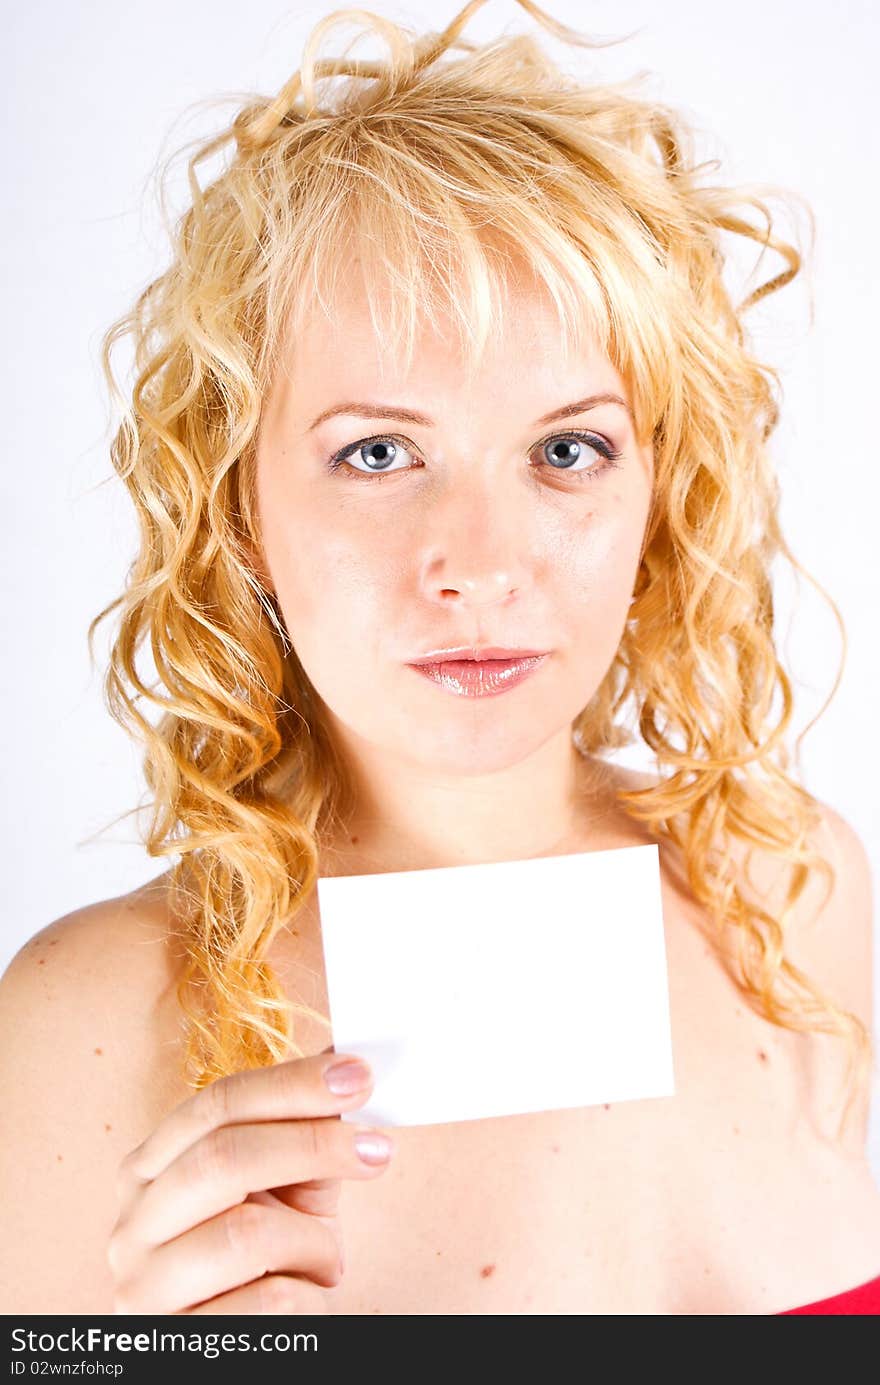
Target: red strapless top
865	1298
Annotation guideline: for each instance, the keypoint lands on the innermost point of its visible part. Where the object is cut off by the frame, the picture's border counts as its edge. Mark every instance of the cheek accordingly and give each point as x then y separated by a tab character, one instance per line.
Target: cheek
332	589
593	562
591	570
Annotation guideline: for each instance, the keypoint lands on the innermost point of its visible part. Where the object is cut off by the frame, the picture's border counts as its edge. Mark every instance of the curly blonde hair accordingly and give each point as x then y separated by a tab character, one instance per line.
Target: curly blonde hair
598	188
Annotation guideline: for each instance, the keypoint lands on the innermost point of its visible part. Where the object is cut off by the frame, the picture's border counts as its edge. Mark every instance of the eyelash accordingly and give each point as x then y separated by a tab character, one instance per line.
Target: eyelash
611	457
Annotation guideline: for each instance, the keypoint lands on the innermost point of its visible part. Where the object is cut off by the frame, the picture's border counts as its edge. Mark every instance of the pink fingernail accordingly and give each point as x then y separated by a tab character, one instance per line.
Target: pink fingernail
345	1078
373	1147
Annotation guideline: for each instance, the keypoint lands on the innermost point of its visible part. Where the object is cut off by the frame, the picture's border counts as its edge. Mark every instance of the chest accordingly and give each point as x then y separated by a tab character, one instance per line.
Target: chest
729	1197
639	1209
563	1214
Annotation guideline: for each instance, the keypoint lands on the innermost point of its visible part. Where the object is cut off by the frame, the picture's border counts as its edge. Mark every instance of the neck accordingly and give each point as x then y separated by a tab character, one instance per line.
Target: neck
407	816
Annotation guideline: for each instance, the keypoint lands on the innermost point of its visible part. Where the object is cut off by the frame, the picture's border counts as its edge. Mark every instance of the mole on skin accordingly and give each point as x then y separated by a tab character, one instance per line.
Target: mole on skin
486	1271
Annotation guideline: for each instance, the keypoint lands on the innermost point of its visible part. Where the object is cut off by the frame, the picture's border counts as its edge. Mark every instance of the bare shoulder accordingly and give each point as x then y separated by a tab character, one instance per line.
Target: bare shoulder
828	938
830	935
107	971
90	1058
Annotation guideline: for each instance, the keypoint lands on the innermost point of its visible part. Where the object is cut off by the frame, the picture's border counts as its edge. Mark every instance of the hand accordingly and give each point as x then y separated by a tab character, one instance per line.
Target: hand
230	1205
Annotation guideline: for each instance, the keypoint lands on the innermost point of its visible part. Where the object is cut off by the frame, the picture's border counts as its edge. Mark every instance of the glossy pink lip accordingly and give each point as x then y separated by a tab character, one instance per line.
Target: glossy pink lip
479	677
476	652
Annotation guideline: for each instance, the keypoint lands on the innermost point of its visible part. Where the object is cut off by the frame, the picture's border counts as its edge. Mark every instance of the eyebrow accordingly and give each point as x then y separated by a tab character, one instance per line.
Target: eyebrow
366	410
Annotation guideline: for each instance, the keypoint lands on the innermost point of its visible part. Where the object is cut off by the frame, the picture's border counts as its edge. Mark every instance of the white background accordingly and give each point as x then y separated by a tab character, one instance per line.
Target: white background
781	95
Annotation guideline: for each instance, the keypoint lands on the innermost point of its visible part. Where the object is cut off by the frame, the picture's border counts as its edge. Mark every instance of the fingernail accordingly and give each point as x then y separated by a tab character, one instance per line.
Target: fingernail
372	1147
349	1076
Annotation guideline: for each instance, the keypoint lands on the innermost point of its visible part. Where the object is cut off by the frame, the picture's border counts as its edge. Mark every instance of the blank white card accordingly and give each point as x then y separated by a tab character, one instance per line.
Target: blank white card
493	990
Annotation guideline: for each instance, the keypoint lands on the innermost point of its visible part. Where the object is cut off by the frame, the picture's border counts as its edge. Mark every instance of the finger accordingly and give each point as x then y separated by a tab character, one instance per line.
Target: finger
319	1196
242	1244
276	1294
228	1163
330	1218
289	1090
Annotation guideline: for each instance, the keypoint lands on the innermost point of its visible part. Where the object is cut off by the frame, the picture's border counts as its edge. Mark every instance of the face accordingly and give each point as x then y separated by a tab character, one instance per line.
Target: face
480	523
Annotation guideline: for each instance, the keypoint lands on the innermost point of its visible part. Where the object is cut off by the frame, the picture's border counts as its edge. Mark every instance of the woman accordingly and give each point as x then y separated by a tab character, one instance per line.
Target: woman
444	363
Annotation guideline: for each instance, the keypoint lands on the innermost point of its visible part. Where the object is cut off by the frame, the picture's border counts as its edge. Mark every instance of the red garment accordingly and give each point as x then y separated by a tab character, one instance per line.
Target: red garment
865	1298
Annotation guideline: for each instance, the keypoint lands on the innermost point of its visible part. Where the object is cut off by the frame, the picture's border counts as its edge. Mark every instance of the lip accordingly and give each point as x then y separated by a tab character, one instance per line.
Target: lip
476	653
484	677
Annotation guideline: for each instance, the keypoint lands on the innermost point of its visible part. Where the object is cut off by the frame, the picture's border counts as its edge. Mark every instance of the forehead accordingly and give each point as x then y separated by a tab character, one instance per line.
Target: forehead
344	348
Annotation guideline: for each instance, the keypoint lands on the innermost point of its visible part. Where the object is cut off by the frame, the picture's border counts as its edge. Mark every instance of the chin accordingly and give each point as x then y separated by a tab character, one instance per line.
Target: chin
485	750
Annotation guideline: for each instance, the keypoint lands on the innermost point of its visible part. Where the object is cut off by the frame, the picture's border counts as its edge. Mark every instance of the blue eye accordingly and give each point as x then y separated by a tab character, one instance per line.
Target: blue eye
379	454
382	452
564	458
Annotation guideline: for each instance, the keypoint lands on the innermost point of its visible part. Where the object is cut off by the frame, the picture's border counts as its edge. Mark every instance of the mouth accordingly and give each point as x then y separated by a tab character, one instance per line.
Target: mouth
485	676
476	653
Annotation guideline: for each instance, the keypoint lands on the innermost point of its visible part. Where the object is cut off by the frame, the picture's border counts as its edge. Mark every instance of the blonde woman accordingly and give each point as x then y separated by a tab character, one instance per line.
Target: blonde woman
449	452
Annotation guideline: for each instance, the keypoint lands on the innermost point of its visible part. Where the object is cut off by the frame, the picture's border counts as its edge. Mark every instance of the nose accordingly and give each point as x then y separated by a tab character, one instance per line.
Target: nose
476	550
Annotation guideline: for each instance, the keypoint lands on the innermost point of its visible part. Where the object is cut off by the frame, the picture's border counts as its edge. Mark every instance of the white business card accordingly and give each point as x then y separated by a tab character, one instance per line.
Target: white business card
500	989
